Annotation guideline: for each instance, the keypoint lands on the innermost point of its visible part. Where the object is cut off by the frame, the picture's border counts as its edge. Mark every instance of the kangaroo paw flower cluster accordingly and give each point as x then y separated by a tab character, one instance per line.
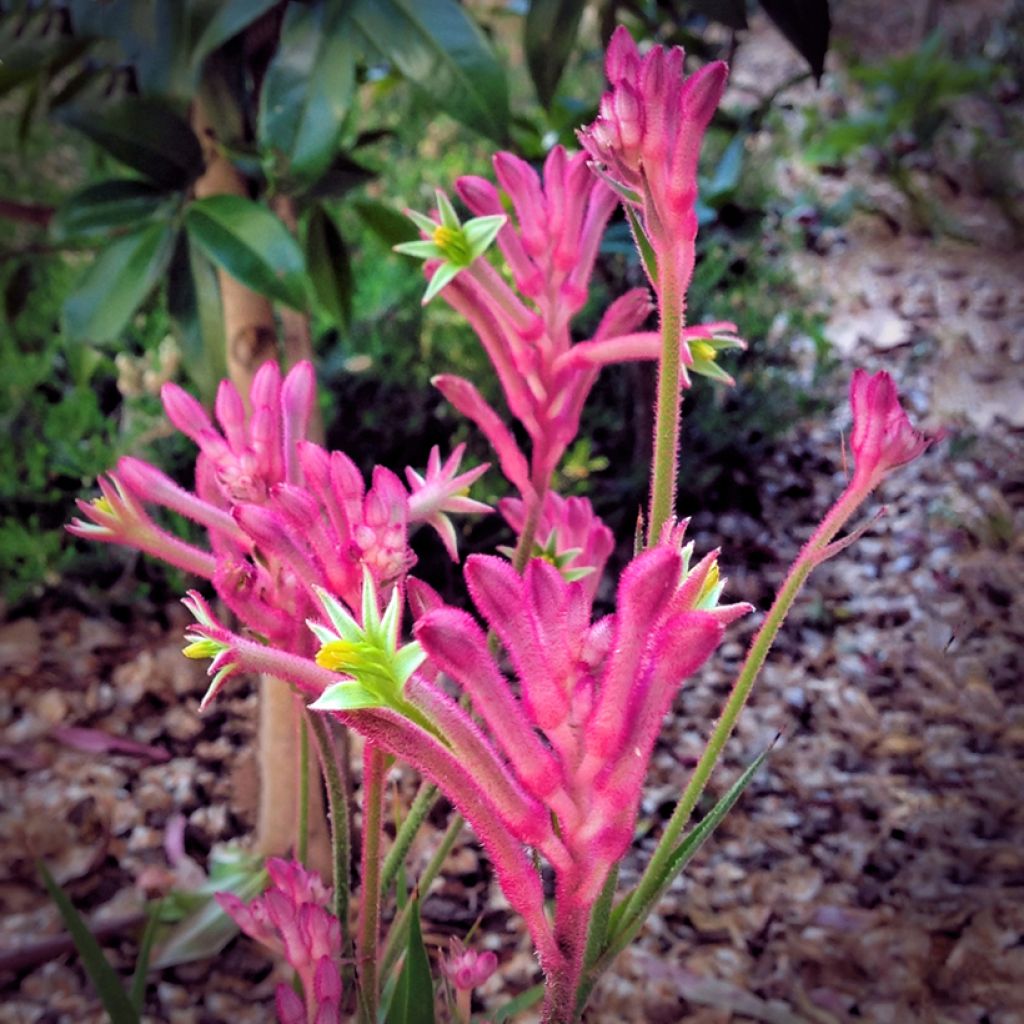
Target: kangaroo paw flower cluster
293	919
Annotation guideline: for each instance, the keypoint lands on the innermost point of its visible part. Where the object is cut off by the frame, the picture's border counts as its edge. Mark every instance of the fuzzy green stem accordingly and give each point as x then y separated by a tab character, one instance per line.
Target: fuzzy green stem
421	806
400	926
596	936
525	543
652	881
337	809
302	827
666	418
374	762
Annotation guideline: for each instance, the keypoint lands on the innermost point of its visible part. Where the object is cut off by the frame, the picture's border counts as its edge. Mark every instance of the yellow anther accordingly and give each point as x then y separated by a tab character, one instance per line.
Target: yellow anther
702	350
103	505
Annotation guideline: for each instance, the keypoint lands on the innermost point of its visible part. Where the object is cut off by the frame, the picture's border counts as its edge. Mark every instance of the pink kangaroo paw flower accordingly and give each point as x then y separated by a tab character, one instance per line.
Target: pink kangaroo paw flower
458	647
882	437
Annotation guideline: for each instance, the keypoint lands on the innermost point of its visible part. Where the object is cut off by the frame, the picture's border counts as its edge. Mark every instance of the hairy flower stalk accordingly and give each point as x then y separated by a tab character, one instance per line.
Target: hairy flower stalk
645	143
525	326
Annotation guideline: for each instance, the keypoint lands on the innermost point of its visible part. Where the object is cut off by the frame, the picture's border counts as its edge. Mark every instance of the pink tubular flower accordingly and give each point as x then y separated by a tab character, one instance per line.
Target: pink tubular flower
647	138
551	247
282	515
292	919
882	437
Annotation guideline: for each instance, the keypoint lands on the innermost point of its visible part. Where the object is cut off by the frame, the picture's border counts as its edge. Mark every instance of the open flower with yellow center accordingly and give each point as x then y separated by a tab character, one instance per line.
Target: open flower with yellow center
455	244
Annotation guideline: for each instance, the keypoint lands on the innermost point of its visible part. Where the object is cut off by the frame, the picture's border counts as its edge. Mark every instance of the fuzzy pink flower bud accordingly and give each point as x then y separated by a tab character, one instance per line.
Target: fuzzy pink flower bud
466	968
882	437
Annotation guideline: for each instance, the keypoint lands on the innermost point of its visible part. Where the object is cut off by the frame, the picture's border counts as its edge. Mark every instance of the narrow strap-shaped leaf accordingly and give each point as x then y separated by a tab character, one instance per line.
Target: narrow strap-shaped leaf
413	1001
643	243
629	916
138	989
106	980
523	1001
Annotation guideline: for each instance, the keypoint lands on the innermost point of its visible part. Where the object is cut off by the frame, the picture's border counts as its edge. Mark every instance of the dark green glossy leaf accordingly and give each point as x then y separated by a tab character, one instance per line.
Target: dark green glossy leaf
138	989
330	268
193	302
105	979
151	36
387	223
147	135
108	204
731	13
549	34
413	1001
308	87
114	287
436	46
230	17
806	24
251	244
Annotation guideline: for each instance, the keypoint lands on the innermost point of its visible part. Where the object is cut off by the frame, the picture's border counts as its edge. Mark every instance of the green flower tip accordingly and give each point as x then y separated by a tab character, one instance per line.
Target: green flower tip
454	244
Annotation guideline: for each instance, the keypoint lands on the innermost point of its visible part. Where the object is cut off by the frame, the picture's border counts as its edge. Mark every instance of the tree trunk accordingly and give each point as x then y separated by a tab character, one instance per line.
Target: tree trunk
251	337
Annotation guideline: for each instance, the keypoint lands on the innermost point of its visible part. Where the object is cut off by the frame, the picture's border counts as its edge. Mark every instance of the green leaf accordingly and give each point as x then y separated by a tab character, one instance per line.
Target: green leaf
231	17
330	268
806	24
622	931
390	226
413	1001
308	87
145	134
193	302
105	979
109	204
150	36
138	989
435	45
522	1002
205	929
251	244
117	283
549	34
643	243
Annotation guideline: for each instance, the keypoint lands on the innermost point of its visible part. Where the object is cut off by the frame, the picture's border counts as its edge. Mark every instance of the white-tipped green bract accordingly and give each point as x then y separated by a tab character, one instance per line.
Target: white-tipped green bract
455	244
369	654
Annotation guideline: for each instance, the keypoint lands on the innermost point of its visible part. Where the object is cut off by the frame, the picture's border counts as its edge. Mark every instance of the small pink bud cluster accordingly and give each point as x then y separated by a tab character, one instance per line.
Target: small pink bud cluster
293	919
466	969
